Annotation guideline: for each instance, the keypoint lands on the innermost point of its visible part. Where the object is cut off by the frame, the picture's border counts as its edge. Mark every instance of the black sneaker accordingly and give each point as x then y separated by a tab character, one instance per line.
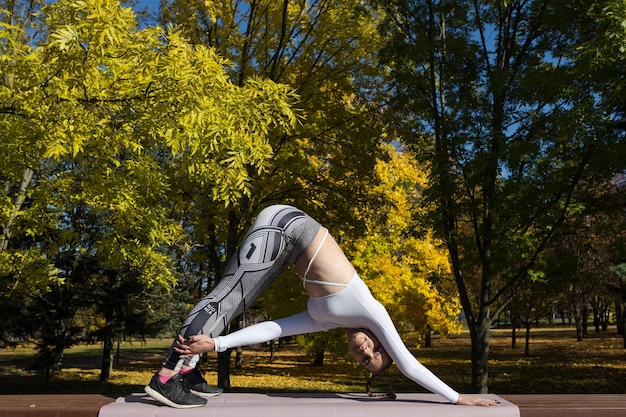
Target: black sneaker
174	393
198	385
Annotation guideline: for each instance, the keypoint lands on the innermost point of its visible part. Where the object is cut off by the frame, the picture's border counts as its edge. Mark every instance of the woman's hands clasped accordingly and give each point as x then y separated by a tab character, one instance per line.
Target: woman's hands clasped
194	345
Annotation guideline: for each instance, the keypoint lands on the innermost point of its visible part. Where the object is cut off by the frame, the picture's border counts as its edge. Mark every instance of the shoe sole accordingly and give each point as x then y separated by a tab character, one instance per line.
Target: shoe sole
162	399
205	394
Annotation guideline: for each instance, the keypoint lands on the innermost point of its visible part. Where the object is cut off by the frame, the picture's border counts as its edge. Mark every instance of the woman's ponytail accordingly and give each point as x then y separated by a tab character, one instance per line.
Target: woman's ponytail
370	383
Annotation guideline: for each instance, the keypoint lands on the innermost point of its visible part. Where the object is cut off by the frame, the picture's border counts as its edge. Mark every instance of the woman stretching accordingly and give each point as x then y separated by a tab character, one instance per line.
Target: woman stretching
338	298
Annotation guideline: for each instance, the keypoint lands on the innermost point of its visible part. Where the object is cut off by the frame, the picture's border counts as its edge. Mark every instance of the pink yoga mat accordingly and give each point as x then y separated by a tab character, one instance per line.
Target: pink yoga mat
307	405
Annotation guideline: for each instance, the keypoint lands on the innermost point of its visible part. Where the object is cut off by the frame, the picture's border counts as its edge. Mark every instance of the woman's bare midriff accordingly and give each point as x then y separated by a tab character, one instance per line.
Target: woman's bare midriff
330	265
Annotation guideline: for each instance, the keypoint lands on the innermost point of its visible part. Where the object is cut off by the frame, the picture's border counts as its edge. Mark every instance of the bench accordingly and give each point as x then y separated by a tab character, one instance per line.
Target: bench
53	405
569	405
530	405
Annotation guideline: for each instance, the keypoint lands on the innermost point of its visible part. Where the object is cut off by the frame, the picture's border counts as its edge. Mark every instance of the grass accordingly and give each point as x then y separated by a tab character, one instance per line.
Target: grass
557	364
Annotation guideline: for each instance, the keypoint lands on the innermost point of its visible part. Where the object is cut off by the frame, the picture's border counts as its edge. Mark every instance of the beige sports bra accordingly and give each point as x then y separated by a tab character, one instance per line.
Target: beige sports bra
313	281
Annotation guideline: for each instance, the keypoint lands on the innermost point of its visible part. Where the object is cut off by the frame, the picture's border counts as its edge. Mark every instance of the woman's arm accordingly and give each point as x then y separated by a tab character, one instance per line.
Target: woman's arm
383	328
258	333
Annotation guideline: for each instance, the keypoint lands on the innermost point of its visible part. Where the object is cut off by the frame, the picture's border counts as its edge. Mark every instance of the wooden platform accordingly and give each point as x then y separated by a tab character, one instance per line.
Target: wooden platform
52	405
569	405
535	405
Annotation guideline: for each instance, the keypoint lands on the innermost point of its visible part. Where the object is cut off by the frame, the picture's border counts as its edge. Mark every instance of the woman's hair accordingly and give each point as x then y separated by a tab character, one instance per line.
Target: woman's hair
370	383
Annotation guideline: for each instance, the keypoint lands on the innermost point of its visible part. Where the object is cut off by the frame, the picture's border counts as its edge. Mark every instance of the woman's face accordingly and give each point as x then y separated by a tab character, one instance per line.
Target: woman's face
367	350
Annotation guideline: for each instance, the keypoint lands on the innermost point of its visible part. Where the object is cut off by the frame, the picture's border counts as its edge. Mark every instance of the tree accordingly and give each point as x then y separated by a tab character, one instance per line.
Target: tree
600	59
530	305
601	56
324	50
491	95
101	121
404	265
620	291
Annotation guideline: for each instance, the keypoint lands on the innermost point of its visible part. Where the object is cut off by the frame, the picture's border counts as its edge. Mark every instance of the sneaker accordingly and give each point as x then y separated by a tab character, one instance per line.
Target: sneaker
174	393
197	384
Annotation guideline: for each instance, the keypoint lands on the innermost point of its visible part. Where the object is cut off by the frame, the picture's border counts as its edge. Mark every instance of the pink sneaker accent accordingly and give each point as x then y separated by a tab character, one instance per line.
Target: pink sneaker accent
164	378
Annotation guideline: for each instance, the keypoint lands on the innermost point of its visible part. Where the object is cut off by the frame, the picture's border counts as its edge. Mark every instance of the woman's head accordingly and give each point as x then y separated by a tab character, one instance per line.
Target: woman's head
366	349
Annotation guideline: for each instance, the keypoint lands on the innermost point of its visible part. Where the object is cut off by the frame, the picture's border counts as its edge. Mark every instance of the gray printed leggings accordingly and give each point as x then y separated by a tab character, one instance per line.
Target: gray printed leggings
278	236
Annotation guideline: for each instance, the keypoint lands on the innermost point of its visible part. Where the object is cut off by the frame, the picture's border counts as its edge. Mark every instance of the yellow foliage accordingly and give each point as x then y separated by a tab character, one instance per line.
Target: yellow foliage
408	273
115	119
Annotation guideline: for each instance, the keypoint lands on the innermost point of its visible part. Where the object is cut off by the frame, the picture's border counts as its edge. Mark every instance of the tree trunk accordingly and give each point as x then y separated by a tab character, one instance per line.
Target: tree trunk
319	345
624	331
46	363
27	176
578	320
527	343
479	328
223	358
234	326
117	350
513	335
238	357
57	360
107	357
596	311
427	338
319	357
604	320
620	317
223	370
480	357
623	315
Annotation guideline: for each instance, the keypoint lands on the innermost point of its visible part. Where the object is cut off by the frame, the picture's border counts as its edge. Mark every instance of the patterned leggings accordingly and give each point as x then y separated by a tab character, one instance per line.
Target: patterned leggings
278	236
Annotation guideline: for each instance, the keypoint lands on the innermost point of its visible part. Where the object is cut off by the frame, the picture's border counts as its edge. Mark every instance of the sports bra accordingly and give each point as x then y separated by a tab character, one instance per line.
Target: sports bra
313	281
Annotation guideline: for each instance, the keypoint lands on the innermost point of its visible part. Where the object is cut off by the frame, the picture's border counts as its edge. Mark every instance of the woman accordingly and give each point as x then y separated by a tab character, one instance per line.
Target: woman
338	298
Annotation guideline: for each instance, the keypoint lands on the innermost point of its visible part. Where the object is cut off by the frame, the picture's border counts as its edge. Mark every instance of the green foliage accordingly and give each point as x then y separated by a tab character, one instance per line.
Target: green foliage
104	124
146	151
98	109
326	52
516	129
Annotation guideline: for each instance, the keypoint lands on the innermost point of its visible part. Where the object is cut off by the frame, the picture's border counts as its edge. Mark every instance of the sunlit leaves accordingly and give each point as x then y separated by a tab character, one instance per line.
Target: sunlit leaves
112	118
407	270
31	269
326	52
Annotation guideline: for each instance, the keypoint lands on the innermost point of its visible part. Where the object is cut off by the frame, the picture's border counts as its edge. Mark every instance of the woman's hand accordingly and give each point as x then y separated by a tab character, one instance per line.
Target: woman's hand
485	402
194	345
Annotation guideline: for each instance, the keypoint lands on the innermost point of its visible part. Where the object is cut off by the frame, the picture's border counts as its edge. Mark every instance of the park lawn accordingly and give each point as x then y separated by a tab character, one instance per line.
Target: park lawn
557	363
